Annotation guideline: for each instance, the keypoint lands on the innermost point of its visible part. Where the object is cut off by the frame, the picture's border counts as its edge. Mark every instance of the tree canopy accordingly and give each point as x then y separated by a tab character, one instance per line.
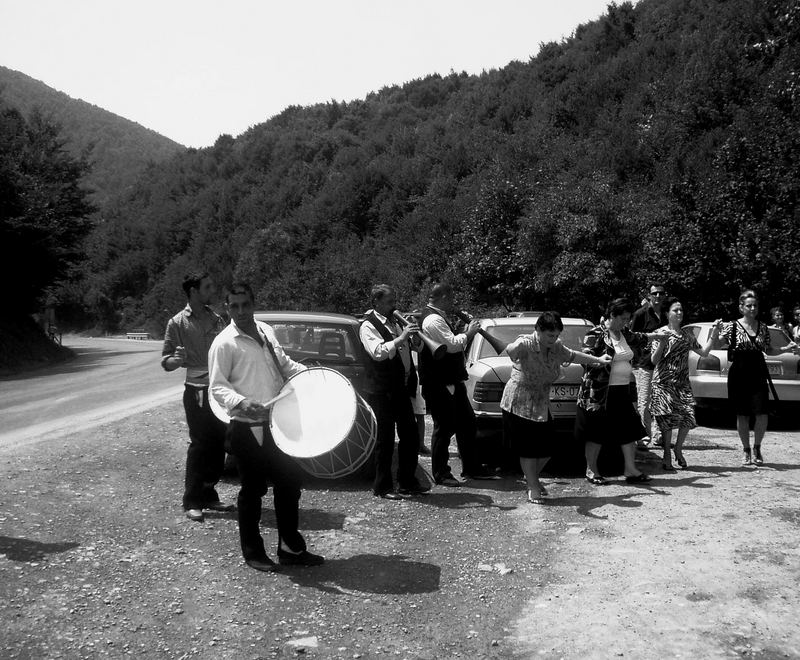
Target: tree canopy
660	141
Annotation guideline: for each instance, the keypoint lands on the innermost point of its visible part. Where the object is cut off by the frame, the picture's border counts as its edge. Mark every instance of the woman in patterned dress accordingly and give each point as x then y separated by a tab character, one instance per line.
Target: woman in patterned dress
672	401
748	341
527	423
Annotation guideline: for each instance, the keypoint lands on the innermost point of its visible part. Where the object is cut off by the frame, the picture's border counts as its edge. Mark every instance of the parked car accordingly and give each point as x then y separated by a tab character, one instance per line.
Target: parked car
321	338
488	372
523	313
709	375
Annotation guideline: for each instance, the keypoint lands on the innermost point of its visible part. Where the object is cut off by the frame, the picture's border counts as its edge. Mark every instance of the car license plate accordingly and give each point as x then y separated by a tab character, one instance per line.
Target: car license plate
774	368
564	392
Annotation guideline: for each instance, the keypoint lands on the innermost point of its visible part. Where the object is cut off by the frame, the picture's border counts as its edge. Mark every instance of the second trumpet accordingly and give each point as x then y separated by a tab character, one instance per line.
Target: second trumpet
438	350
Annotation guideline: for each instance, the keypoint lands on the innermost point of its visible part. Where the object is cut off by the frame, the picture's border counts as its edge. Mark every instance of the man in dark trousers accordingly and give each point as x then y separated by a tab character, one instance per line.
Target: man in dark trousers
647	318
248	370
445	392
186	342
391	384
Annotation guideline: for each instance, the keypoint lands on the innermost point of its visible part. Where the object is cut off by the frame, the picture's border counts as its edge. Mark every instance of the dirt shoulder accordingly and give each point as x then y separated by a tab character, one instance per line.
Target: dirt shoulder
97	560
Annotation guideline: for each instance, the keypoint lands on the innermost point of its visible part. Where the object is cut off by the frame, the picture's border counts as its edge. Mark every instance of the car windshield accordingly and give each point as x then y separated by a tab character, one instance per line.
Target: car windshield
572	336
325	342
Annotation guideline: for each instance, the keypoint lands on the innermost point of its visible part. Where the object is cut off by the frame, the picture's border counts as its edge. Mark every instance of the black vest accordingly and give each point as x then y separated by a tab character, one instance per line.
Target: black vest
388	375
449	370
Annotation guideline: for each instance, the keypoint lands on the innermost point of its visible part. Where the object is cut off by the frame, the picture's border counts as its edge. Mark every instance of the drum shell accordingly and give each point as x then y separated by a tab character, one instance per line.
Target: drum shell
342	456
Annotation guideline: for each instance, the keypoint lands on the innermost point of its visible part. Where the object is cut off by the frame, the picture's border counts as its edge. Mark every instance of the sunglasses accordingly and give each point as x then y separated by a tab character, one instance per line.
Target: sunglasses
658	293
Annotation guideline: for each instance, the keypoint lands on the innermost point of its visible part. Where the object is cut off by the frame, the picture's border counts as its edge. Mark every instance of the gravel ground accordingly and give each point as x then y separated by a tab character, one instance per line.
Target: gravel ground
97	560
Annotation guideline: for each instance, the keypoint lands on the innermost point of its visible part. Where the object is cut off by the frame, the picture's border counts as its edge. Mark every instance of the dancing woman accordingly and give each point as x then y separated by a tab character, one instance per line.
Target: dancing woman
527	422
672	402
606	415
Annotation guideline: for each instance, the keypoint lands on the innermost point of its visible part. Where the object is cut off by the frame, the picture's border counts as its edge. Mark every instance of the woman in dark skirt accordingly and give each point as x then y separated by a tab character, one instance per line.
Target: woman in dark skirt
527	424
748	340
606	415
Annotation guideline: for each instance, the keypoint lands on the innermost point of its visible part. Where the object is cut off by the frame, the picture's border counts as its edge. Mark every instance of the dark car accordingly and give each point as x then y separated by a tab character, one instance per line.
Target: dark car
320	338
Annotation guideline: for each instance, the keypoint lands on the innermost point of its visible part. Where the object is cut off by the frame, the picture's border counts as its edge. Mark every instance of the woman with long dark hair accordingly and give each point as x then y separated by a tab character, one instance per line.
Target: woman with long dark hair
606	415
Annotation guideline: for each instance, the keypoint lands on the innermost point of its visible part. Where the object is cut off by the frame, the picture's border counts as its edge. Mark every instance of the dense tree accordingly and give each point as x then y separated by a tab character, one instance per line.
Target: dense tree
661	140
43	209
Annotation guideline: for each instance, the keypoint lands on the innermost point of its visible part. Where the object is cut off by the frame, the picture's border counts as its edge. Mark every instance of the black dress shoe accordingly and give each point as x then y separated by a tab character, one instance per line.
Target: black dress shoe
219	506
304	558
266	565
638	479
391	496
450	481
413	489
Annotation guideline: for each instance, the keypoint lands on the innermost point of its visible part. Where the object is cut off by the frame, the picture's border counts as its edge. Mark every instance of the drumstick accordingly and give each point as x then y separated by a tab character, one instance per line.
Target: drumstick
286	391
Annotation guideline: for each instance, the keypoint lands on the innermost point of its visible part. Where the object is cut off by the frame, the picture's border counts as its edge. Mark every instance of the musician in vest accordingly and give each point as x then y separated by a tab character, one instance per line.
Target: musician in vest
391	383
445	392
248	369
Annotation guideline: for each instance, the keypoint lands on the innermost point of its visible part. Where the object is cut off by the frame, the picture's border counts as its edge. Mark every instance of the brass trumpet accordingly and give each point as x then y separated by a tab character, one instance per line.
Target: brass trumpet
497	344
437	350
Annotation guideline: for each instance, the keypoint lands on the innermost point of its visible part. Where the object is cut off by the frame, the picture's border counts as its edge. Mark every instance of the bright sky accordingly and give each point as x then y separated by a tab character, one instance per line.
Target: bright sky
193	69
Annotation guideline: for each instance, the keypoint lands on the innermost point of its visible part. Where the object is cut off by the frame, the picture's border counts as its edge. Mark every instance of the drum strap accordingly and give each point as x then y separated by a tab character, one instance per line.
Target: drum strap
271	350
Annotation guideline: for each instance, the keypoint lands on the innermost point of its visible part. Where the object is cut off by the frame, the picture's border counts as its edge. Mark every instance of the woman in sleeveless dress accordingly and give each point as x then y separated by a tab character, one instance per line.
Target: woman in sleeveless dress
748	340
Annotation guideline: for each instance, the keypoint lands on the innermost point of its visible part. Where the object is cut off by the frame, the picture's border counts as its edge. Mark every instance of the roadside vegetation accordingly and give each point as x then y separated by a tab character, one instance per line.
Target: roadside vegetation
660	141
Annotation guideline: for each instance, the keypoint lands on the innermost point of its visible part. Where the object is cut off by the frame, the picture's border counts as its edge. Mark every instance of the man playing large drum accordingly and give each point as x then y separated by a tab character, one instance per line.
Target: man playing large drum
391	382
248	368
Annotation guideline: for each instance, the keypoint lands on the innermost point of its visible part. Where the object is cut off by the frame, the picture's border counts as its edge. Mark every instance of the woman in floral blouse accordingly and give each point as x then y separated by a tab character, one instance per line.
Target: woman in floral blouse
527	423
606	415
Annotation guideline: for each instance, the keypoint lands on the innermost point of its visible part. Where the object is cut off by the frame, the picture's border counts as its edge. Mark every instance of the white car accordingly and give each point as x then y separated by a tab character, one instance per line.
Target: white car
489	372
709	375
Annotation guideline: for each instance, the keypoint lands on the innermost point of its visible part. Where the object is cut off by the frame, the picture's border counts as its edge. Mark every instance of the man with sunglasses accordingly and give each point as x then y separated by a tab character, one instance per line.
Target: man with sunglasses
646	319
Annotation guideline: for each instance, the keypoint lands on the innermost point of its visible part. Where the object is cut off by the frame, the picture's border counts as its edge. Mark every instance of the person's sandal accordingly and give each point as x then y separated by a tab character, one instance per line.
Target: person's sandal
597	480
535	500
680	460
758	459
747	459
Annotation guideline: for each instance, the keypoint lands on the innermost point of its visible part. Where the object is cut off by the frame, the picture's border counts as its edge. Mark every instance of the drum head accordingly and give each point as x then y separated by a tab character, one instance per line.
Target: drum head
316	416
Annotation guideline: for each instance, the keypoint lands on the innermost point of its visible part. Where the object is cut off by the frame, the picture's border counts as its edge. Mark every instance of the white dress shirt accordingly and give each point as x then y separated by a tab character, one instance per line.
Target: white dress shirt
435	326
378	348
242	369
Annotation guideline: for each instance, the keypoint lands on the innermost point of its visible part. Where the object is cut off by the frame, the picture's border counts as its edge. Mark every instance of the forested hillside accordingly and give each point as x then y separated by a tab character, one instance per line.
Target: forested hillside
117	148
660	141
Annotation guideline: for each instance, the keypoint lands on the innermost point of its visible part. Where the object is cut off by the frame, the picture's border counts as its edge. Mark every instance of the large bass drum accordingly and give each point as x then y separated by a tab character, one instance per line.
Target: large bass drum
323	423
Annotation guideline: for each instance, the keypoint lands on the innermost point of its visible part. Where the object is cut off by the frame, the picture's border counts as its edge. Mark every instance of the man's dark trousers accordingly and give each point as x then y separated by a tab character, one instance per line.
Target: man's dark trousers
392	409
205	457
452	415
258	465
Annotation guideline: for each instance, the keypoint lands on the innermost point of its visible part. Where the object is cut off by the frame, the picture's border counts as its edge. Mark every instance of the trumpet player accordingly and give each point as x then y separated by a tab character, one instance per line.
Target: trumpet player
443	386
391	383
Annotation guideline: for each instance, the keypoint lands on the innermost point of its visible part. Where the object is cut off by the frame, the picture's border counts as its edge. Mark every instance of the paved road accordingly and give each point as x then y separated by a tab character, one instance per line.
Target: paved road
109	379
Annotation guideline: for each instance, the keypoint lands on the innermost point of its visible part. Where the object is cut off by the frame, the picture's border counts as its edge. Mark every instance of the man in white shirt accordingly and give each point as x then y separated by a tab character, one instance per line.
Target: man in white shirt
391	383
248	367
445	392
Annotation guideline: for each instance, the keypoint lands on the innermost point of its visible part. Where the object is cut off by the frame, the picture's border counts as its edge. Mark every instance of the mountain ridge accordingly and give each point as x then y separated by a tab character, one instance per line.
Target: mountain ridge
118	148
